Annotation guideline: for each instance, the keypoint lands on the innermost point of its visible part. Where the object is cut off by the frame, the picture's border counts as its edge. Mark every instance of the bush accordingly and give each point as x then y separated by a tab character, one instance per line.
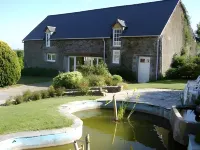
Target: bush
51	91
27	96
125	85
69	80
60	91
108	80
100	69
8	102
43	72
95	80
117	78
20	55
18	100
44	94
36	96
84	86
178	61
172	73
10	70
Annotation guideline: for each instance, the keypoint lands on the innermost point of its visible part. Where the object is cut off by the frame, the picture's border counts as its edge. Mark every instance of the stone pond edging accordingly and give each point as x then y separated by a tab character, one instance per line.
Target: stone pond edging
47	138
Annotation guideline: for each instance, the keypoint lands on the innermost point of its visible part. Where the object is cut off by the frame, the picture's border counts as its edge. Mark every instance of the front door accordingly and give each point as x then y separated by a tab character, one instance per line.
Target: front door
143	69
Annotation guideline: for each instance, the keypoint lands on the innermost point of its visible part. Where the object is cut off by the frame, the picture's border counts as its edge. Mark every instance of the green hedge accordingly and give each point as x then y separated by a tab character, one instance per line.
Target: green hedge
43	72
10	70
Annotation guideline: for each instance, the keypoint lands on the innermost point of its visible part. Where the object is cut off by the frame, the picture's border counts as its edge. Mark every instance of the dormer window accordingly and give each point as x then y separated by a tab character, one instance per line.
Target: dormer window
118	28
48	35
116	37
49	31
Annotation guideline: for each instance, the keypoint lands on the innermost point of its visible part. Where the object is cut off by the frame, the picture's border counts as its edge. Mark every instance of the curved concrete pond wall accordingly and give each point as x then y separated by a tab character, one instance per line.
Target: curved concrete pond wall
182	128
38	139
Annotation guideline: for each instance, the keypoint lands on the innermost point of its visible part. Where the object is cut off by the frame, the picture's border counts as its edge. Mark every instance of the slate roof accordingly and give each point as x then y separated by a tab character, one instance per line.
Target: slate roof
141	20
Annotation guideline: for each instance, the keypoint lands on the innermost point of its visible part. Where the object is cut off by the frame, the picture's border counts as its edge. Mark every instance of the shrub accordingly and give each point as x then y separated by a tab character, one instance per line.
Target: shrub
108	80
60	91
52	92
84	86
95	80
117	78
172	73
44	94
36	96
10	70
100	69
27	96
18	100
39	72
8	102
86	70
178	61
69	80
20	55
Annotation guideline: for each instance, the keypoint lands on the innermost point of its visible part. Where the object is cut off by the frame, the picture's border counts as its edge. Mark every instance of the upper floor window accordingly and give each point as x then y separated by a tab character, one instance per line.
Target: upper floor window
48	39
51	57
116	37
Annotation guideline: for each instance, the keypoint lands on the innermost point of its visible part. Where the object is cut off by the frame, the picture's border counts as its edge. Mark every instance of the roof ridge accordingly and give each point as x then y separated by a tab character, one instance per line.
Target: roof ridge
145	3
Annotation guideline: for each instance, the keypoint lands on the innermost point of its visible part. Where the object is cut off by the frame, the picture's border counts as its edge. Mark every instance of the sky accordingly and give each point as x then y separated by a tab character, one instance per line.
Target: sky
19	17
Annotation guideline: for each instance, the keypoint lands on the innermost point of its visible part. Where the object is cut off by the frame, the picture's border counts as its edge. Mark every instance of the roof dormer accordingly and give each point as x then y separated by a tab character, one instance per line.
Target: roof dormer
49	30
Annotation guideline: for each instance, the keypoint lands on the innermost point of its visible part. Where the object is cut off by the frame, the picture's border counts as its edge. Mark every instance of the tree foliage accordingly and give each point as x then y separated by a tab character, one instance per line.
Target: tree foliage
198	30
10	70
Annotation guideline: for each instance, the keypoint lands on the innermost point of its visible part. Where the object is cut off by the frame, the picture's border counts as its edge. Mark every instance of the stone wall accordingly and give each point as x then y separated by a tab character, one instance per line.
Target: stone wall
139	46
131	49
172	38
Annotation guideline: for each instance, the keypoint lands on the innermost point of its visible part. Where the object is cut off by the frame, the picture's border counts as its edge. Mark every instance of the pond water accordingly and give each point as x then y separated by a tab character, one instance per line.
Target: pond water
188	115
143	132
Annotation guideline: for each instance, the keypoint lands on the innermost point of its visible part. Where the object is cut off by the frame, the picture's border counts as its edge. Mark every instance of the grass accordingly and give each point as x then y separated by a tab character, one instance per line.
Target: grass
36	115
162	84
31	80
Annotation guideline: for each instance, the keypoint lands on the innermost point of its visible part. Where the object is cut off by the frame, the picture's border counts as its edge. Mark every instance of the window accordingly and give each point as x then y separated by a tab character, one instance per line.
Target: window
116	37
116	56
48	39
51	57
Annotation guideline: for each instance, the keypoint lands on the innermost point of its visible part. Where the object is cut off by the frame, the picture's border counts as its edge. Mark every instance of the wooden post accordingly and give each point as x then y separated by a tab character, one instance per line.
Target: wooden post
87	140
82	147
76	145
115	108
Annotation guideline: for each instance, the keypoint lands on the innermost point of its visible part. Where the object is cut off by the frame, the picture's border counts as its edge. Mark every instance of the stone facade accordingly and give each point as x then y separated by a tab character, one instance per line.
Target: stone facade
172	38
171	42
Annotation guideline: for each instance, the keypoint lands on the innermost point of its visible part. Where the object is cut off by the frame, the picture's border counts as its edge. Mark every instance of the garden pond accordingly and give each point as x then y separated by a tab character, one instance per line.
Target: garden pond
141	132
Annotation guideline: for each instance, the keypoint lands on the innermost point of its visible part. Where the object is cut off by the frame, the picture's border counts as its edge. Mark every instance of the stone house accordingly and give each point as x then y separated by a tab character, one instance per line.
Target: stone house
141	38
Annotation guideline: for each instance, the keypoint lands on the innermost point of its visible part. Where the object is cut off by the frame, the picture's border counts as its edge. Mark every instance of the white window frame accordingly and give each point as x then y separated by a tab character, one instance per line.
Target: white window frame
116	53
116	37
51	57
48	42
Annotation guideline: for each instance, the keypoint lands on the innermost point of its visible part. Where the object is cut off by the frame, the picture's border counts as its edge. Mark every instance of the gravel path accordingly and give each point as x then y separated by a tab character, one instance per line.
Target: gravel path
159	97
5	93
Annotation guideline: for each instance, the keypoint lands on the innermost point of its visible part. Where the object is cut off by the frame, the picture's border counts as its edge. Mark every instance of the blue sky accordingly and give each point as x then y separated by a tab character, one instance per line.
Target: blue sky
19	17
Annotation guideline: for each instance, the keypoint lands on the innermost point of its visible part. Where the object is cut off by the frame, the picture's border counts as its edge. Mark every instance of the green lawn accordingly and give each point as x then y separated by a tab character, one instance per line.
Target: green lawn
31	80
36	115
162	84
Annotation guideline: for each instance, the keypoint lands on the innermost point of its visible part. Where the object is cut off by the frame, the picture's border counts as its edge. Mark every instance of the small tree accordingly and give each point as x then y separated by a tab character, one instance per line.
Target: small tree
10	70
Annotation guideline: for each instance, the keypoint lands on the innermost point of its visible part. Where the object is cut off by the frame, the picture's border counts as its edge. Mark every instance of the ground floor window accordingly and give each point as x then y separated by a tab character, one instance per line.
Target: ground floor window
51	57
116	56
75	61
